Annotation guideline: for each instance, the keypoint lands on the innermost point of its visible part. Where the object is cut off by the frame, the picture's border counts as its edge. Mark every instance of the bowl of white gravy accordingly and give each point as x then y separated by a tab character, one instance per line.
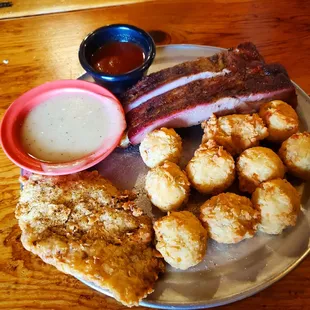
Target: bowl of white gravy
62	127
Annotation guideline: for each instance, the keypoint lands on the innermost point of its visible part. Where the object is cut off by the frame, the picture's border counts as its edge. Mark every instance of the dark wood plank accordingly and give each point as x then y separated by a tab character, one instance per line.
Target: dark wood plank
22	8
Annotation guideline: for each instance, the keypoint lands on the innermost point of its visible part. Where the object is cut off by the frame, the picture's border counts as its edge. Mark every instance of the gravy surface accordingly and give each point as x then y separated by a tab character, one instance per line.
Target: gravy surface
65	127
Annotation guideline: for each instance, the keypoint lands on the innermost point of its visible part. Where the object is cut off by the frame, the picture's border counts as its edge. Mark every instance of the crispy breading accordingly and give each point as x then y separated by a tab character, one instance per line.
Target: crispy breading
280	118
85	227
181	239
161	145
229	218
235	132
295	153
212	169
279	204
256	165
167	186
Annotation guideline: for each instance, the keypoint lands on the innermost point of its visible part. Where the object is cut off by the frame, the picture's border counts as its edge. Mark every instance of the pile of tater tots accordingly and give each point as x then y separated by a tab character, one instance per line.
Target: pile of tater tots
229	151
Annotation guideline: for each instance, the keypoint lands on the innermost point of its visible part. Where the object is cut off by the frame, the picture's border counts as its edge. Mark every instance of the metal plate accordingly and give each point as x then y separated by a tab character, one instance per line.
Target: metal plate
229	272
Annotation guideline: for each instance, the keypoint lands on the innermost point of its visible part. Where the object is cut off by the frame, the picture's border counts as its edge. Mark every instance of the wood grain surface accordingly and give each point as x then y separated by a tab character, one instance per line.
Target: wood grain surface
22	8
37	49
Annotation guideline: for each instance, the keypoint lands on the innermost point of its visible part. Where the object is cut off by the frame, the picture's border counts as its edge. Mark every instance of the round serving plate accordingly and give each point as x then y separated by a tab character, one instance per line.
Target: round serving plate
229	272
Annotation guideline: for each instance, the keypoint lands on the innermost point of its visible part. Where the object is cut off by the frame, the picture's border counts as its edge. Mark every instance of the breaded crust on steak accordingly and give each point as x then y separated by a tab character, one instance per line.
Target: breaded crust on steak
84	226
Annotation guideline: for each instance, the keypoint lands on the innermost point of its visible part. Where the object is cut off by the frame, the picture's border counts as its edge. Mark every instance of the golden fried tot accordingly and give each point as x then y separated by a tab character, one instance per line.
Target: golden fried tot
280	119
229	218
212	169
160	145
181	239
235	132
167	186
295	153
256	165
279	204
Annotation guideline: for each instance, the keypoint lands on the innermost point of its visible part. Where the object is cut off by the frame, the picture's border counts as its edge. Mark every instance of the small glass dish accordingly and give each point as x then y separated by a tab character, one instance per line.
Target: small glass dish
120	33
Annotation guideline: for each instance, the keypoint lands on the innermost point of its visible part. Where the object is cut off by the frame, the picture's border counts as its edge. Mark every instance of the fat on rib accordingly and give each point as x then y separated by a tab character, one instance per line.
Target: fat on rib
243	90
160	82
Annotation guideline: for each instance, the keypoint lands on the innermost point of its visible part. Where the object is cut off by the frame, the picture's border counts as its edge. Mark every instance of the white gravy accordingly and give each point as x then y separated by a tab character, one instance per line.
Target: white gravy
65	127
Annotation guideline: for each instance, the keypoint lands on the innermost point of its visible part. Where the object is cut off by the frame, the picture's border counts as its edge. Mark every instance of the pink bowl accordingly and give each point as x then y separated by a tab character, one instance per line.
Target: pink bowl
14	117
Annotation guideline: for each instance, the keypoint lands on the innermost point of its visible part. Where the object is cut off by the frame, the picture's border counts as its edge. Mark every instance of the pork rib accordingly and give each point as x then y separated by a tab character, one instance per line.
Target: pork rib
241	91
165	80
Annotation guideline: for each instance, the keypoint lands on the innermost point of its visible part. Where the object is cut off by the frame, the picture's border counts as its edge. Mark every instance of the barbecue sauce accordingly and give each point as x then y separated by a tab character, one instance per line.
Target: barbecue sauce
117	58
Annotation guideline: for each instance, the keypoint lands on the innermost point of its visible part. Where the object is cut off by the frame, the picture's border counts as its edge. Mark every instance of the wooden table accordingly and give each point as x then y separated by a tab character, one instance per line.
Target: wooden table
43	48
22	8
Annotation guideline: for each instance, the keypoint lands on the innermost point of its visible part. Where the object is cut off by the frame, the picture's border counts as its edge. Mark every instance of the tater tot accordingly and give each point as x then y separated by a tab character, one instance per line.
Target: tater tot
256	165
295	153
167	186
160	145
229	218
212	169
181	239
235	132
280	119
279	204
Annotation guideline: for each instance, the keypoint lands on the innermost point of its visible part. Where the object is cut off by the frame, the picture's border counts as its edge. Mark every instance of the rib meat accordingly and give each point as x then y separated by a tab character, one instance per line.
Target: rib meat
168	79
241	91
